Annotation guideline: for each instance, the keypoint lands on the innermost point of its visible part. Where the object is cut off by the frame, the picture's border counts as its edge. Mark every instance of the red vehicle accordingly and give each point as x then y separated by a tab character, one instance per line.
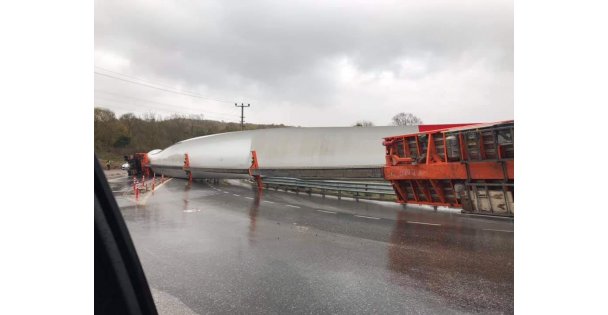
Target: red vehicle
138	164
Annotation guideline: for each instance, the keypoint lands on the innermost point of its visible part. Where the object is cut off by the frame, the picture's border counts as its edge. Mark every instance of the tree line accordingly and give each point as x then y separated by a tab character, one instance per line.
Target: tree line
401	119
129	133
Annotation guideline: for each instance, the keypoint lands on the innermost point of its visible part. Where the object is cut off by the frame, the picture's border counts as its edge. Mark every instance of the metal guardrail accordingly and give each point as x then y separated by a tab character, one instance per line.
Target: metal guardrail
358	189
367	173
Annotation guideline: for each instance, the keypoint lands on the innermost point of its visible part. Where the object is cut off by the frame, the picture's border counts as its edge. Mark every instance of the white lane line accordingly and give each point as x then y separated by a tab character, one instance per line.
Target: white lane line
424	223
236	195
293	206
366	217
226	192
147	195
506	231
111	180
249	198
325	211
268	201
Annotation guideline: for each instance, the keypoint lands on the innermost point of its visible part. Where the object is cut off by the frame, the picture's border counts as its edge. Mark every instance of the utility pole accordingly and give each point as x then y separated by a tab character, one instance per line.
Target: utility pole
242	106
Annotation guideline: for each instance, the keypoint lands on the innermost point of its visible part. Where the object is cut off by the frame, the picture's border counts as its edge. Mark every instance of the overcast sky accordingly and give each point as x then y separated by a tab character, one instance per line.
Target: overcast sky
307	63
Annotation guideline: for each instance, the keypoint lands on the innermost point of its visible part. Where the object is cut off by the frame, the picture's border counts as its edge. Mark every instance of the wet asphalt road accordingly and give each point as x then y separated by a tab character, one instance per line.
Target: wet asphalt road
225	249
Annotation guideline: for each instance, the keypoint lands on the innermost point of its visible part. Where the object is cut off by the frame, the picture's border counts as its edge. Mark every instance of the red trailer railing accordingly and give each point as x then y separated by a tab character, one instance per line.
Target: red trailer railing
468	167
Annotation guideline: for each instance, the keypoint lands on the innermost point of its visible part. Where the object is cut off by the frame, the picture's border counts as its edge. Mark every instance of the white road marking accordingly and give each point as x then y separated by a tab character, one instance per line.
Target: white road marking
325	211
293	206
366	217
226	192
268	201
147	195
111	180
236	195
424	223
248	197
506	231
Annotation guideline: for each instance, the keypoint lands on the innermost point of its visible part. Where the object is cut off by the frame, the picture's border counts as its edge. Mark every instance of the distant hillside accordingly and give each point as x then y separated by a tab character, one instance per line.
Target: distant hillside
118	136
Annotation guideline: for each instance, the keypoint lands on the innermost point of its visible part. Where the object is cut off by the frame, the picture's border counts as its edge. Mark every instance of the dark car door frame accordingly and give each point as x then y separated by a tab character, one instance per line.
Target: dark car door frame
120	283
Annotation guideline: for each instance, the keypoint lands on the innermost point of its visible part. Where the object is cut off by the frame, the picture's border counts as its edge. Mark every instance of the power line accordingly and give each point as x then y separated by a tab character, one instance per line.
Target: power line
166	104
191	94
149	84
166	85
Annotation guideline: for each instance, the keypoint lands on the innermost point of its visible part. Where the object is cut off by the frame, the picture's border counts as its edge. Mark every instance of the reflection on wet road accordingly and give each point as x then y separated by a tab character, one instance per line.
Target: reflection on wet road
224	248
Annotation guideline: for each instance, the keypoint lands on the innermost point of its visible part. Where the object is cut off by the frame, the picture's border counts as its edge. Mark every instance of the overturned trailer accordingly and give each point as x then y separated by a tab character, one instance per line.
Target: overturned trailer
468	166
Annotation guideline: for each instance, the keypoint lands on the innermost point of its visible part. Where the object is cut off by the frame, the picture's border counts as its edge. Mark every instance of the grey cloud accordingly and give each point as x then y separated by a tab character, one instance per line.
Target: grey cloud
285	52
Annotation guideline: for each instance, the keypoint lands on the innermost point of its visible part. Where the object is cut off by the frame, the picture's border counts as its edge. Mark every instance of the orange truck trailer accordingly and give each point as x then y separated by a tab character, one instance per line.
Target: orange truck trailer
139	164
468	167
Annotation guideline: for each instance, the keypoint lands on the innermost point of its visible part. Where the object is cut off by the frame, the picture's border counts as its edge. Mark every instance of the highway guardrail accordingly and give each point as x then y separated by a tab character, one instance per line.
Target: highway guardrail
377	190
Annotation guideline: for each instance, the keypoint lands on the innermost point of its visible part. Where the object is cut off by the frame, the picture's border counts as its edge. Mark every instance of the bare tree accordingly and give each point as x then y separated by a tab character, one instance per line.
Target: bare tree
103	115
406	119
149	116
363	123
